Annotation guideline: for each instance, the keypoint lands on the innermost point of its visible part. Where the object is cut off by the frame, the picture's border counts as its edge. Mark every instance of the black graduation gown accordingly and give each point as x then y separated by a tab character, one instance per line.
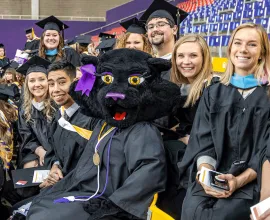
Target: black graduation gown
137	170
33	46
70	55
67	146
34	133
227	127
3	62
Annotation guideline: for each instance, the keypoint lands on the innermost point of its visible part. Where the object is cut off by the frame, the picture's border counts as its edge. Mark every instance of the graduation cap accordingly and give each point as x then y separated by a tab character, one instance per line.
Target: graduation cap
163	9
134	26
83	40
2	45
70	41
29	30
105	36
12	64
8	91
106	44
35	64
52	23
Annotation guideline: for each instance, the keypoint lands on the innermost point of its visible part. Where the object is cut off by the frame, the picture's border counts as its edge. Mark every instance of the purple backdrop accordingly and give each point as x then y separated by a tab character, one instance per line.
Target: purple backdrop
125	10
13	35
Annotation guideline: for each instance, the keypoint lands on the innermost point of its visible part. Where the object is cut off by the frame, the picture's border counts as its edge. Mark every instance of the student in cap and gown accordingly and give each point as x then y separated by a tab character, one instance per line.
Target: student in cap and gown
4	61
83	42
70	126
36	112
162	21
107	42
134	37
52	42
32	44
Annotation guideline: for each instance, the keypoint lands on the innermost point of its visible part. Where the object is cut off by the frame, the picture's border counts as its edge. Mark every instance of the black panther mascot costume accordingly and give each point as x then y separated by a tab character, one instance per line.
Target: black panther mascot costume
123	164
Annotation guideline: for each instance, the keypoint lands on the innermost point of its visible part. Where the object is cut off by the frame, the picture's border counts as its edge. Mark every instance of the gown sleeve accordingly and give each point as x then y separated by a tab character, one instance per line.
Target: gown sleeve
29	139
201	147
73	57
145	159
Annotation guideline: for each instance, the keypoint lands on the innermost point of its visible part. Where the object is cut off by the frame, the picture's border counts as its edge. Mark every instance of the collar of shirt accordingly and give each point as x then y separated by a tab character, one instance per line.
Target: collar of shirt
71	110
167	56
38	105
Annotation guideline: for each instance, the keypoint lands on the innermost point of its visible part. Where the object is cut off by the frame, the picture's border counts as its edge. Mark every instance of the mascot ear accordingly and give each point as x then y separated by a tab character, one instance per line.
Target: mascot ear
159	64
89	60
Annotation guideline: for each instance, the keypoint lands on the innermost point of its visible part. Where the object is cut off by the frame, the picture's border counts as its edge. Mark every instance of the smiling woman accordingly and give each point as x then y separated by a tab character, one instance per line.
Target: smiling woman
52	42
35	115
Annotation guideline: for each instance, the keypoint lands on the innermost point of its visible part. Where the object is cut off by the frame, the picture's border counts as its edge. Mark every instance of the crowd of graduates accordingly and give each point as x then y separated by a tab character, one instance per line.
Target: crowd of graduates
221	122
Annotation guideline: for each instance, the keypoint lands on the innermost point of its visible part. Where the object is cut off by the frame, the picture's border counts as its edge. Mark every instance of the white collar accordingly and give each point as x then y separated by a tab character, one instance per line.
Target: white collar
38	105
71	110
167	56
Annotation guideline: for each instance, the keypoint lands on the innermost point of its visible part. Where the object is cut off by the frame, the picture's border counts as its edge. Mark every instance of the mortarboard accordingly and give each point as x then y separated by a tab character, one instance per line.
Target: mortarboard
2	45
8	91
106	44
28	31
12	64
163	9
70	41
52	23
134	26
83	40
105	36
35	64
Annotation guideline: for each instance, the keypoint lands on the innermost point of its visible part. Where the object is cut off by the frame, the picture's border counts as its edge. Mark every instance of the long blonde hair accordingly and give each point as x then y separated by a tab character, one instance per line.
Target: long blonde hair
121	42
42	47
48	110
263	66
205	73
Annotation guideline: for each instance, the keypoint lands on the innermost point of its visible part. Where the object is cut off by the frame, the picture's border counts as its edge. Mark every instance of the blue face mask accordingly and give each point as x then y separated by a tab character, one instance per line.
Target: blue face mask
51	52
244	82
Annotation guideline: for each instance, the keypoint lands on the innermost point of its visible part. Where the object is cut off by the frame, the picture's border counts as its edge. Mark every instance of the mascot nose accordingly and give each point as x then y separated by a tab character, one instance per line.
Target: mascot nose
115	96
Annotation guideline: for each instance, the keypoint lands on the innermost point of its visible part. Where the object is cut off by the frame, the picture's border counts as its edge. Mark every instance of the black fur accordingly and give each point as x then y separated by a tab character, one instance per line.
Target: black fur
152	99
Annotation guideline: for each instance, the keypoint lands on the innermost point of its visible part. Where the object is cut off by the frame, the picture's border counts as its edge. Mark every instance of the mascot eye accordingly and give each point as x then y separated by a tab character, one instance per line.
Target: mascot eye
135	80
108	79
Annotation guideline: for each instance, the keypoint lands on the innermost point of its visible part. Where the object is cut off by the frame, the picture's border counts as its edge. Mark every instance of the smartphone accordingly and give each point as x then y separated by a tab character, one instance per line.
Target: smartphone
217	182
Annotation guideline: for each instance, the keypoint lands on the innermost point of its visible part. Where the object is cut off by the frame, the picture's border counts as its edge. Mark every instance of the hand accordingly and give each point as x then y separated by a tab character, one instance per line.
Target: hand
233	184
212	192
185	139
45	184
27	51
41	154
265	215
55	175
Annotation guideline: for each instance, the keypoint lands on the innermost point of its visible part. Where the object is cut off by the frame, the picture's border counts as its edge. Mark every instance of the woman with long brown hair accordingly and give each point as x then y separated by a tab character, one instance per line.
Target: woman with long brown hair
51	45
229	133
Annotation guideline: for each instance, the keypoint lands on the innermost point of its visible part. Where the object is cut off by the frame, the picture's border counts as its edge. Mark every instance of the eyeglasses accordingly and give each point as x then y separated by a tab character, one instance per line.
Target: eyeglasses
159	24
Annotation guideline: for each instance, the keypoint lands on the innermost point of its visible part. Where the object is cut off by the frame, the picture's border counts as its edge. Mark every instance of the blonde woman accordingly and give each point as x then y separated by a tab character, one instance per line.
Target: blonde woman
51	45
228	133
192	71
35	114
135	36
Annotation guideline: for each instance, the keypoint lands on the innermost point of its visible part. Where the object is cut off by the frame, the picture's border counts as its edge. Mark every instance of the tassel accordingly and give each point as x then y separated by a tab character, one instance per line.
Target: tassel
65	200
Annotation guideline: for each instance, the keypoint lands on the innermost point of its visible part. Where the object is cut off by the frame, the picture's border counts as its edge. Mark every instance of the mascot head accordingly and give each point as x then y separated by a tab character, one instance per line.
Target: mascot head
126	87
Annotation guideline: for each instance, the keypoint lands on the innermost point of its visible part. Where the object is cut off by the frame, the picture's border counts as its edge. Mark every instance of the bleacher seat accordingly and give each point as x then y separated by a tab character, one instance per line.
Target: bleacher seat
225	41
227	17
259	12
214	41
247	14
237	15
223	27
233	25
204	28
213	27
